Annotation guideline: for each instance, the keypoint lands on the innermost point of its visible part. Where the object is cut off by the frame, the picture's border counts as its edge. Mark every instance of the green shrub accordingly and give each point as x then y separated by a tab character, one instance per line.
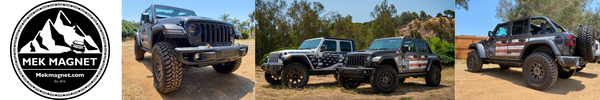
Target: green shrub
245	35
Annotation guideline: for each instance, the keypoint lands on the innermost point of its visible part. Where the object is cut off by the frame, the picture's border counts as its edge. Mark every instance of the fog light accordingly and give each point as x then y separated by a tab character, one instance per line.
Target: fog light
196	56
365	72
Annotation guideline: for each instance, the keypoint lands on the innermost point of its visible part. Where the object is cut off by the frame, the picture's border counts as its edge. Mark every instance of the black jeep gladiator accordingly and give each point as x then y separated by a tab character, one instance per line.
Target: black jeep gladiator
545	50
388	62
317	56
177	39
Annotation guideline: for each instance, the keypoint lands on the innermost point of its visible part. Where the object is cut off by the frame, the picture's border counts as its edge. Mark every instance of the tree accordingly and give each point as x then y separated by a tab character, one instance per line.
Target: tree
423	15
225	17
569	14
462	4
414	16
235	23
415	34
242	25
449	12
439	15
382	25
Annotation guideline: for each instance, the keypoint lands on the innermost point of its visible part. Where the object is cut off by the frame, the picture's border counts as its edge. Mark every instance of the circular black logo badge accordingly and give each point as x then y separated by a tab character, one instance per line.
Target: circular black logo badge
59	49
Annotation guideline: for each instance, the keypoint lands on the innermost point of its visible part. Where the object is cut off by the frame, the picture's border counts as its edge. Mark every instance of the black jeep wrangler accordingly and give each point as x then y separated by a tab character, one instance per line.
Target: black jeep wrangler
177	39
388	62
317	56
544	49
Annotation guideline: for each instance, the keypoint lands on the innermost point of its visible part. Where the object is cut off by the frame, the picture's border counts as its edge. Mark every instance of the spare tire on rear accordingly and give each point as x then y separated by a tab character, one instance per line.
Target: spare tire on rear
585	43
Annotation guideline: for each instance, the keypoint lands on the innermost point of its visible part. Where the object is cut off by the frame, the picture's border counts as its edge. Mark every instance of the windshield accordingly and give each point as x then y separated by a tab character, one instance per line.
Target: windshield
385	44
310	44
165	12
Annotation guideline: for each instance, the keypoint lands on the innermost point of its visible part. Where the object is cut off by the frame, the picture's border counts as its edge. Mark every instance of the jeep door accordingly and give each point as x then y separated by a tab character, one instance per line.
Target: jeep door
540	29
519	37
413	55
424	54
329	56
497	50
145	30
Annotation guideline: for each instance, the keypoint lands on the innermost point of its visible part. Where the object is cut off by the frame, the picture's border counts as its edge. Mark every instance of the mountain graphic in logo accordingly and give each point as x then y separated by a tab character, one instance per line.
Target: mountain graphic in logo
61	36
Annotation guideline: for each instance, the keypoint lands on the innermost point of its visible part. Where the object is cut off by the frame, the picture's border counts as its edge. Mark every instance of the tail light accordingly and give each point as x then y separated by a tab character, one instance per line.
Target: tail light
569	41
596	46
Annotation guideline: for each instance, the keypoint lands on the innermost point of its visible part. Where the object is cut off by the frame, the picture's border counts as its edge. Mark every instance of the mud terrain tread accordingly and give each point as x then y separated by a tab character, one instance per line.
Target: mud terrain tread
228	67
342	81
585	42
477	64
375	75
173	68
272	80
429	80
139	53
551	74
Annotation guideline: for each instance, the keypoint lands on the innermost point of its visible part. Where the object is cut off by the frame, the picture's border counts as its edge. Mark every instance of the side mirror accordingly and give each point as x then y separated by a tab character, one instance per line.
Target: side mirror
323	47
491	34
145	17
405	48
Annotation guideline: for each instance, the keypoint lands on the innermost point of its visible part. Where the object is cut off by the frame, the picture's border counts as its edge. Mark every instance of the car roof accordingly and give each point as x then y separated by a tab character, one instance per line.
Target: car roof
171	7
330	38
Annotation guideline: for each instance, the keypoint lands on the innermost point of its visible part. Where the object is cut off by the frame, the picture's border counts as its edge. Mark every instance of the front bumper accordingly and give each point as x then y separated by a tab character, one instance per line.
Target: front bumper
210	55
570	61
355	72
272	67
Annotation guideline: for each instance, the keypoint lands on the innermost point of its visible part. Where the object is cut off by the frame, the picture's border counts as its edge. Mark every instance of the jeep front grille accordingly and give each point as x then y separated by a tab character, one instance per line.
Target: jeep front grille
356	60
213	34
274	57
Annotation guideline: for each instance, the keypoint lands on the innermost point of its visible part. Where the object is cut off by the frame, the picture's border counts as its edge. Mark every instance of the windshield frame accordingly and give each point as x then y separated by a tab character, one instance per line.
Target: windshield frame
381	48
156	15
307	46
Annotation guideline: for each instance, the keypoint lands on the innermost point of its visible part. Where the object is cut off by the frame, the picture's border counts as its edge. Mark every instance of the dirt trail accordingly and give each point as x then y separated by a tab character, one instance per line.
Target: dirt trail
198	83
327	88
494	83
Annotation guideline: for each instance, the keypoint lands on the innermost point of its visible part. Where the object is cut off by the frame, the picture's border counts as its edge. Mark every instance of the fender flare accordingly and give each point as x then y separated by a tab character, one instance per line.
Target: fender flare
549	43
303	56
431	63
479	48
156	29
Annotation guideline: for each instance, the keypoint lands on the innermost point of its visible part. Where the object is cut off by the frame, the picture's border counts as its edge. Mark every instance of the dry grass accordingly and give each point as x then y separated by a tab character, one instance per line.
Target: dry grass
132	92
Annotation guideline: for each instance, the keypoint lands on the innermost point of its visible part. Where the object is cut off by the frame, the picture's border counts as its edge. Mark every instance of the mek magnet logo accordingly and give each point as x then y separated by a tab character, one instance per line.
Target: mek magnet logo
59	49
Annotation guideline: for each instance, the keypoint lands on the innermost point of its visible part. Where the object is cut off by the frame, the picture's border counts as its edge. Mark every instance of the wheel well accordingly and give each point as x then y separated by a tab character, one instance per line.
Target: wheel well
533	48
299	59
157	37
437	62
390	62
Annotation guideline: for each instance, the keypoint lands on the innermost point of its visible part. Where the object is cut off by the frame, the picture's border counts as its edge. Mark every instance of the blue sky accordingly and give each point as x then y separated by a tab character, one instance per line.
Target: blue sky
481	17
360	10
239	9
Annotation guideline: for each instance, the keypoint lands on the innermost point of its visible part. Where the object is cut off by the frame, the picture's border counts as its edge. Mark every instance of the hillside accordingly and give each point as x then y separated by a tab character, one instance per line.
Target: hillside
421	27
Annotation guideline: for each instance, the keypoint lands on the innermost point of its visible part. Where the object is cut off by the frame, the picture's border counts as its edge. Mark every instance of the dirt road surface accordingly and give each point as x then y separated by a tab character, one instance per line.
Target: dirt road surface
327	88
494	83
198	83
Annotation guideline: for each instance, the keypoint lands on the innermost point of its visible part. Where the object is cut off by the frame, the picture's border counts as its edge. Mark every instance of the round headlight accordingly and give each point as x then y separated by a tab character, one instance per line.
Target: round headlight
192	29
368	58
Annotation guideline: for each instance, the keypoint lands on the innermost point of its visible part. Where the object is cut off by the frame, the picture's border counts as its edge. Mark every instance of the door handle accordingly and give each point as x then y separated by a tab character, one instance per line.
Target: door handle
503	41
415	56
521	40
426	56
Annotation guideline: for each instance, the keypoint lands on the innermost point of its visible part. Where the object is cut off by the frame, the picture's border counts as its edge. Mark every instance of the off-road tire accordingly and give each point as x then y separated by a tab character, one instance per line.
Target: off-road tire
166	70
547	70
139	53
474	63
348	84
294	75
585	43
228	67
336	77
434	76
504	67
565	74
385	79
271	79
582	66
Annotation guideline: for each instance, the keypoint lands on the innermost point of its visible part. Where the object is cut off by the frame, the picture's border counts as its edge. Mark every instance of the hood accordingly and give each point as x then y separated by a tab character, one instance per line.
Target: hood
178	19
295	51
374	52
